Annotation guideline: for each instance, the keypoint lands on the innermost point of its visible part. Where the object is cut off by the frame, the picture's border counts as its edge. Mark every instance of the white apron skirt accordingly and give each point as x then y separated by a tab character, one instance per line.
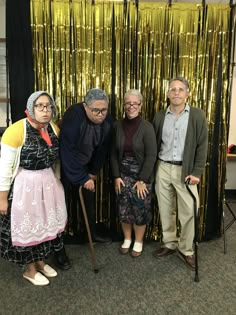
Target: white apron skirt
38	211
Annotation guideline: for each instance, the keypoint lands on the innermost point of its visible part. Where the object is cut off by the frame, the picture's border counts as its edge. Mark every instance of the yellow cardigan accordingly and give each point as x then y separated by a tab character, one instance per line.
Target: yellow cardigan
11	145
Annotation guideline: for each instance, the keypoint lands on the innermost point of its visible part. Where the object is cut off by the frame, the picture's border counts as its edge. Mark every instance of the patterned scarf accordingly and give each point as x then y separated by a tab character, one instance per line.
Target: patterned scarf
43	131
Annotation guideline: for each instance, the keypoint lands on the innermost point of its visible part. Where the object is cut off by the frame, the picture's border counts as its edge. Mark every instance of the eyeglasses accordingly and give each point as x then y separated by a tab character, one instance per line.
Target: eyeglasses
97	111
134	104
40	107
177	89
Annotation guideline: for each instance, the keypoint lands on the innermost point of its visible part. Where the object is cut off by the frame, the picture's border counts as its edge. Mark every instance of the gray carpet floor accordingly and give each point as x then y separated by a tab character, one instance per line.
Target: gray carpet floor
123	285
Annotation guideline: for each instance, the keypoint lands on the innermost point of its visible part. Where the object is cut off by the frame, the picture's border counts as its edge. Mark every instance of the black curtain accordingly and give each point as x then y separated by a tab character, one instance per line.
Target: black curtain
215	201
19	55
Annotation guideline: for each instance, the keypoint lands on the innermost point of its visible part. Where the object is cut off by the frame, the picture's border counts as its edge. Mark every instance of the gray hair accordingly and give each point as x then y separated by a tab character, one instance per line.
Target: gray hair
32	100
135	93
181	79
95	95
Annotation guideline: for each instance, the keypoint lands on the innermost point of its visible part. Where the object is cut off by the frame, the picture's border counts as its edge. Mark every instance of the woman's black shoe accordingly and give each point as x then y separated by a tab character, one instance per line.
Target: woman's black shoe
61	259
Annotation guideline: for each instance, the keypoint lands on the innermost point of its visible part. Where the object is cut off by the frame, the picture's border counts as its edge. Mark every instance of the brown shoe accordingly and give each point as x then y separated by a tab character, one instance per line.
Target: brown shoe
135	254
123	251
188	260
163	252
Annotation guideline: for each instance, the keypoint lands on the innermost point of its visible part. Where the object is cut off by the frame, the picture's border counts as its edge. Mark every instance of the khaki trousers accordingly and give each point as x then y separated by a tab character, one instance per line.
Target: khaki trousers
172	194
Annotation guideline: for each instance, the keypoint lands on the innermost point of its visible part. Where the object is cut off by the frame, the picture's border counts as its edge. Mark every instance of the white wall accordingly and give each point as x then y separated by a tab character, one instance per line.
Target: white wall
232	126
231	163
2	19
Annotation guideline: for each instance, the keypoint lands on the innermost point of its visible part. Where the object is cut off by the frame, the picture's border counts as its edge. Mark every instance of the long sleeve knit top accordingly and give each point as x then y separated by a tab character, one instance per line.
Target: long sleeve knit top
144	149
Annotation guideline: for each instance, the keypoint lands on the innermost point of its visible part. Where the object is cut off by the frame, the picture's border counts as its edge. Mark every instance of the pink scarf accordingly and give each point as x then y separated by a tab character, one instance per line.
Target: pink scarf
41	128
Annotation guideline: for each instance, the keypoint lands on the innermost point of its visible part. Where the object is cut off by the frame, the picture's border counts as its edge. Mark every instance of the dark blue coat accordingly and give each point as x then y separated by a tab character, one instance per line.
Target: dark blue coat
74	129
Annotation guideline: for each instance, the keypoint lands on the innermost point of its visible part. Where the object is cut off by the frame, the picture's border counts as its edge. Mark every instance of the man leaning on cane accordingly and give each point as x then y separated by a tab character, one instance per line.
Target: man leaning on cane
84	145
182	140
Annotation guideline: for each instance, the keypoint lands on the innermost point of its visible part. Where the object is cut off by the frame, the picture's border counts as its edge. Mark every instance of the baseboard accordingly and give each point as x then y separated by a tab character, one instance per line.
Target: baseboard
230	194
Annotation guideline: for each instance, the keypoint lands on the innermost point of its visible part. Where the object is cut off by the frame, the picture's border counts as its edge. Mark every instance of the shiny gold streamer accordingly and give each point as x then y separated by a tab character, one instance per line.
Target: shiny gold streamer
80	44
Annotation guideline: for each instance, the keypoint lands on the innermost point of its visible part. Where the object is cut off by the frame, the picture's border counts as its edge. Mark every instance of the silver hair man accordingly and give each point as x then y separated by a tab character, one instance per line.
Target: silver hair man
95	95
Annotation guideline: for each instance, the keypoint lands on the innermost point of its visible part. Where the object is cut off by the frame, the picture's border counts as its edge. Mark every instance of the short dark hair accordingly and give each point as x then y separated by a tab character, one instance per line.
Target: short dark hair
181	79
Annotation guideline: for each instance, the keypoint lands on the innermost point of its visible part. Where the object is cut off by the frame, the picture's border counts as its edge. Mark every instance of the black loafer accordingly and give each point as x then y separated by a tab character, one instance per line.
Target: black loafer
61	259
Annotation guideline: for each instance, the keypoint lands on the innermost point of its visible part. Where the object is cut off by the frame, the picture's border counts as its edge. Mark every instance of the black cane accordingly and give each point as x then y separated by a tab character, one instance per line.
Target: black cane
196	279
88	230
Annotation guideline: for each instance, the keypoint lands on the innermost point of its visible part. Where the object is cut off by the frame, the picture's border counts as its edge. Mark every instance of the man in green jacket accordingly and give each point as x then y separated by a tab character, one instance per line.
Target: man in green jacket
182	141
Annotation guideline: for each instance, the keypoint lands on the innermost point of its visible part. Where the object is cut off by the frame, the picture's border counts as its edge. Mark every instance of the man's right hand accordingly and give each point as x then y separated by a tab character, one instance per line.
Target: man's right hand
90	185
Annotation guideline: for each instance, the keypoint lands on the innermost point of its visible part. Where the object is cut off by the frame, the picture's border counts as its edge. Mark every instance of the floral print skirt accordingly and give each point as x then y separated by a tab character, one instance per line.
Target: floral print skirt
131	208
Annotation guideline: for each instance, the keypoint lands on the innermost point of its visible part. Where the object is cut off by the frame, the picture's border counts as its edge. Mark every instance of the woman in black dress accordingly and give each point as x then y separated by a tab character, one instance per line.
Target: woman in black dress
132	160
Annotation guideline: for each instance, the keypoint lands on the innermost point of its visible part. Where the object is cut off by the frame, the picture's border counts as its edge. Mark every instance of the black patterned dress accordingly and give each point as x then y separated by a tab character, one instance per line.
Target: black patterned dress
131	208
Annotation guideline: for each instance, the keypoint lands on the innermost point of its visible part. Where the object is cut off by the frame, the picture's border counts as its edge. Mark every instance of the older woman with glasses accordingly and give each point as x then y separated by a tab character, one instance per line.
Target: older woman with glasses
132	161
32	204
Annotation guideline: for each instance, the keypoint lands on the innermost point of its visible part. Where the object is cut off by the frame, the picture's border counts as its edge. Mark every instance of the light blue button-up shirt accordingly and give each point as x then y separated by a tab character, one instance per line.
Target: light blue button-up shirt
173	135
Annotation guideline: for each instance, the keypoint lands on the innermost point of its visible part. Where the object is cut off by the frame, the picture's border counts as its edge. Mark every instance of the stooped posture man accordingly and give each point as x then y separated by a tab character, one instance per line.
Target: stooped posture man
182	140
84	144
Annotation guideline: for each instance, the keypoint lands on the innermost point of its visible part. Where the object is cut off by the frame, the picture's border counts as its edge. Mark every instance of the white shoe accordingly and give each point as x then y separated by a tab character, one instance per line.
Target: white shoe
38	279
48	271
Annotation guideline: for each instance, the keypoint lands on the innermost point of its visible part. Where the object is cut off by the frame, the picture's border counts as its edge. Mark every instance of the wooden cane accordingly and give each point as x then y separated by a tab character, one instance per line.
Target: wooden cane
196	279
95	268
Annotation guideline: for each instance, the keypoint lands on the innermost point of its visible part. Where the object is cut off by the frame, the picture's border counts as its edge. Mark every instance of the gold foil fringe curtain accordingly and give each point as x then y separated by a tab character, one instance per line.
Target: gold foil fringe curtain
117	45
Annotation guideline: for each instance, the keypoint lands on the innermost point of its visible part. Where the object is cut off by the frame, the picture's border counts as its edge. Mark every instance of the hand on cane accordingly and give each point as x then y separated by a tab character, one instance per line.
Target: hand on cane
90	185
192	180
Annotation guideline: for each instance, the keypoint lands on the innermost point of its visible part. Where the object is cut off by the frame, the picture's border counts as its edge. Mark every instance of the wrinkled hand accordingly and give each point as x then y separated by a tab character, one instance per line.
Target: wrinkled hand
90	185
192	179
117	183
3	207
142	190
